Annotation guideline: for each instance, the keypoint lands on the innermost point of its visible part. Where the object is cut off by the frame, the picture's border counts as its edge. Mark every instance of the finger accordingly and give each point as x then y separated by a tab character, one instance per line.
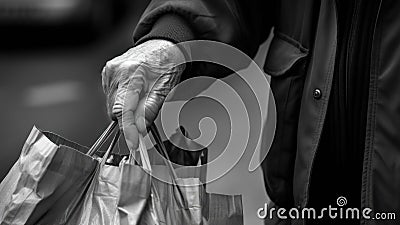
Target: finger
154	100
127	94
149	106
140	117
125	100
105	78
125	105
130	130
125	114
109	87
147	111
152	106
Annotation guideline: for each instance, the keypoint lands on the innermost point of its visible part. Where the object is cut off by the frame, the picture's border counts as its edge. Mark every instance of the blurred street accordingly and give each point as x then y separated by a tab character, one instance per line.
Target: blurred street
52	80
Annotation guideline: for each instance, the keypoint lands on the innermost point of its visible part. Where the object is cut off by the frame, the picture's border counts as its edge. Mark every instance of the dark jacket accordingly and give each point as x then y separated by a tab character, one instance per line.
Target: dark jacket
301	61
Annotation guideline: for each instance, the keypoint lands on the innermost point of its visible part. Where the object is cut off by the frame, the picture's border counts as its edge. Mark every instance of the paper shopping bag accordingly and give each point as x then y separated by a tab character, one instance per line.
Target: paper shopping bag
47	167
183	199
115	195
135	188
219	209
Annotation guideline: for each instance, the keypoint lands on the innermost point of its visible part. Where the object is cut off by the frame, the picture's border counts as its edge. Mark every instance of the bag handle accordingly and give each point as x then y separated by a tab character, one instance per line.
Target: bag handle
144	156
110	148
103	137
160	144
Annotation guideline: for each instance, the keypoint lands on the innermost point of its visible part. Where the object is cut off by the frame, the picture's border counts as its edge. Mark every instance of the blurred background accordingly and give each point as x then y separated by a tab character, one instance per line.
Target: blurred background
51	56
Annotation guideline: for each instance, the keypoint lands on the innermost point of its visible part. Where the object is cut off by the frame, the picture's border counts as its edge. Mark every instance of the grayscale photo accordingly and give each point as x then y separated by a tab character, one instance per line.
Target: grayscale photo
200	112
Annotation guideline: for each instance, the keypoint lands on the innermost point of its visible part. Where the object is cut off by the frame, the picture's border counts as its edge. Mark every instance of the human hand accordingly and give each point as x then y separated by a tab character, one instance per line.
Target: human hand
137	83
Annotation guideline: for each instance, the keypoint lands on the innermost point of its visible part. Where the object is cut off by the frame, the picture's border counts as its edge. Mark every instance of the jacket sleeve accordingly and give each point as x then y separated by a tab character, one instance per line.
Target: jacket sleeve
244	24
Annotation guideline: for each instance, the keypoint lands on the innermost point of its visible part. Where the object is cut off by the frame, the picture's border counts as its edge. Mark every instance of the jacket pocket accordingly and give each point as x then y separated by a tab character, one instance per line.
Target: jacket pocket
286	64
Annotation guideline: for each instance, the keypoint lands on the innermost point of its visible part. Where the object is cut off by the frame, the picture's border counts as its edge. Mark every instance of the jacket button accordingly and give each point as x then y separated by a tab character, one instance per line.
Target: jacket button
317	94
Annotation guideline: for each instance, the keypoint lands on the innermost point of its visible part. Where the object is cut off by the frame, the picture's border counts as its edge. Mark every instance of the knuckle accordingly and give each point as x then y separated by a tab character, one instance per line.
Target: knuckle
107	71
127	65
110	67
110	64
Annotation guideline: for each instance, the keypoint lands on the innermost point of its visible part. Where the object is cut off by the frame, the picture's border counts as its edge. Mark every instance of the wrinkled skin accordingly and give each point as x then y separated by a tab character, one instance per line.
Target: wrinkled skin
137	83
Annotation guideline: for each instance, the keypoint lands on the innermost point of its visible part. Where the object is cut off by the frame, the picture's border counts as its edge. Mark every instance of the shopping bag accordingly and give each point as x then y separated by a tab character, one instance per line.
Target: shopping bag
115	195
94	203
182	150
66	204
183	200
135	188
219	209
47	167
